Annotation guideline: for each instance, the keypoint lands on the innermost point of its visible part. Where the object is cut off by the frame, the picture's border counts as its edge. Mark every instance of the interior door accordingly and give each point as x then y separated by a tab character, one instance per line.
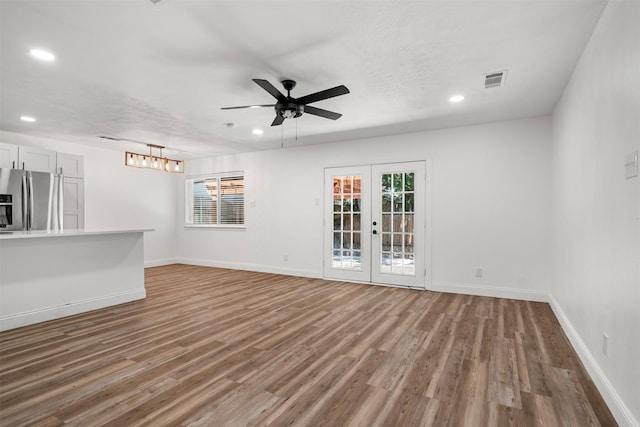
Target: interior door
375	224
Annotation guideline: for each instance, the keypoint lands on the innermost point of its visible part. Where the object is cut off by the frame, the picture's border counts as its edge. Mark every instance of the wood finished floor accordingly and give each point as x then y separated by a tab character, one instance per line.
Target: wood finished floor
214	347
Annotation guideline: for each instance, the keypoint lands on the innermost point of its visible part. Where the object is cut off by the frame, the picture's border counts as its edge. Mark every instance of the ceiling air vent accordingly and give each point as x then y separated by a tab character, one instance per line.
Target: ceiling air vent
495	79
108	137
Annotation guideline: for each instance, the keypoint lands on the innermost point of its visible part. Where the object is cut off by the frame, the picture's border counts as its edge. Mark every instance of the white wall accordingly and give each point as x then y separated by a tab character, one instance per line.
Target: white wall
596	212
490	206
117	196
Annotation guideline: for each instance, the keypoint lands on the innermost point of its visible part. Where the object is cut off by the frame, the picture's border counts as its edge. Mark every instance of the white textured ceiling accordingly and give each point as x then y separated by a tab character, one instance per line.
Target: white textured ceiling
159	73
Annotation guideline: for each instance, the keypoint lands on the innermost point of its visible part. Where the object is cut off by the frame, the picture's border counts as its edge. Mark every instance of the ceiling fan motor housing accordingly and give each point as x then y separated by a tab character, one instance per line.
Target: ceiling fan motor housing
289	110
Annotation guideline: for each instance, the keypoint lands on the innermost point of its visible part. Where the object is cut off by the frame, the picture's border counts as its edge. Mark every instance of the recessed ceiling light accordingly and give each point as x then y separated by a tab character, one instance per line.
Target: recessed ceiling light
229	125
27	119
456	98
42	54
258	131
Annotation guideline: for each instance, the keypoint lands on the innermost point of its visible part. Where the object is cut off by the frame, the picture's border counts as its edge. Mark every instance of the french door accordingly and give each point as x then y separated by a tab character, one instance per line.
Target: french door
374	227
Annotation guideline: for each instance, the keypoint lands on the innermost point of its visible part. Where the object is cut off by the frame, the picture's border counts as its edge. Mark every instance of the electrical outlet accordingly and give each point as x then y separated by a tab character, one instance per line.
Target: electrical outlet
479	271
605	344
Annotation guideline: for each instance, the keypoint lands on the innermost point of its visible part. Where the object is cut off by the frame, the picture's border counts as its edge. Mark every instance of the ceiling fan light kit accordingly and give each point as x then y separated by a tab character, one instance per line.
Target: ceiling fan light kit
288	107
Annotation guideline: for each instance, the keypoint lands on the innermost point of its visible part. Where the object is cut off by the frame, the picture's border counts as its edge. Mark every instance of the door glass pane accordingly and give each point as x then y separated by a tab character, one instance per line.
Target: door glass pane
408	181
386	203
386	223
357	185
337	240
397	183
346	240
397	203
408	202
346	225
346	185
346	222
385	262
396	264
386	242
356	241
408	243
408	223
397	198
386	183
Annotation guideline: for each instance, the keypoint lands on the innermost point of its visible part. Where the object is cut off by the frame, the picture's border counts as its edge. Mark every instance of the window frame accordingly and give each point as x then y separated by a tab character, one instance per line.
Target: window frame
190	198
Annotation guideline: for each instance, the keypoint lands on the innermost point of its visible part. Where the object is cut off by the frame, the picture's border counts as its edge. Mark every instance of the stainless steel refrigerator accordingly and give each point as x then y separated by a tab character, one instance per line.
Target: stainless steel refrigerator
30	200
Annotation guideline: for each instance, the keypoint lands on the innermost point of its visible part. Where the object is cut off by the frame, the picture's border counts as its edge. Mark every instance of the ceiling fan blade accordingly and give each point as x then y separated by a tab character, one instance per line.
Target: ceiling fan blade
323	94
264	84
278	120
248	106
321	113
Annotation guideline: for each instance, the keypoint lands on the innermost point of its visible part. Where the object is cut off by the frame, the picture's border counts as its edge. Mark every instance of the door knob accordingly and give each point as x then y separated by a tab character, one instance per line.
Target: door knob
375	231
375	223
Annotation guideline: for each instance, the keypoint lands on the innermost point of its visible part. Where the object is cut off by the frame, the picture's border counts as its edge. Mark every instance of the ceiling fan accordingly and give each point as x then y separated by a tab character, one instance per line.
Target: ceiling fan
288	107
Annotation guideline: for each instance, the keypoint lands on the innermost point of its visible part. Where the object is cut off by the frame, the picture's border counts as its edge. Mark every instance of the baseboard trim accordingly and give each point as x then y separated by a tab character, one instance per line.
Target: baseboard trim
622	414
249	267
489	291
160	262
31	317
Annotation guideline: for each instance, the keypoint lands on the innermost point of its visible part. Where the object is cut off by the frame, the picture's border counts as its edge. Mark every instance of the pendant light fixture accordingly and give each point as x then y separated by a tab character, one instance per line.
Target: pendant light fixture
153	160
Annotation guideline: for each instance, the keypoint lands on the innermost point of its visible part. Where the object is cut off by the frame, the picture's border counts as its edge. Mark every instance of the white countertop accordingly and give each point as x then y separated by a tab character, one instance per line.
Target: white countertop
4	235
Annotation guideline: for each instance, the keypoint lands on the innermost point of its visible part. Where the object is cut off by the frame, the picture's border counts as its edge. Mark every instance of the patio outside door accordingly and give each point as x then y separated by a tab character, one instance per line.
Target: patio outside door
375	224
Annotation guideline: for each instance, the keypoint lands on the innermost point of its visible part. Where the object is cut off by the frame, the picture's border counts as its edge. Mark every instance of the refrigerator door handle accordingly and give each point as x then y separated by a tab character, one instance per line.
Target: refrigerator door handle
60	201
25	205
30	196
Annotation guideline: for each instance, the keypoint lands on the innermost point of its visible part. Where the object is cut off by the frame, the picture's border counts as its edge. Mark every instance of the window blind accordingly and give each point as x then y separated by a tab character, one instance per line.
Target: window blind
216	200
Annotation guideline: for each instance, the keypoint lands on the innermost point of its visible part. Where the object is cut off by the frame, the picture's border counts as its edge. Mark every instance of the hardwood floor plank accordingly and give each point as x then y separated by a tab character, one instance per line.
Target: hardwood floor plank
221	347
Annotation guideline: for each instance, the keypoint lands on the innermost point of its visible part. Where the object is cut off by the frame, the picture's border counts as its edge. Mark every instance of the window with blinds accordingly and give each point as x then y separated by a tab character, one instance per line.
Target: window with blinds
215	200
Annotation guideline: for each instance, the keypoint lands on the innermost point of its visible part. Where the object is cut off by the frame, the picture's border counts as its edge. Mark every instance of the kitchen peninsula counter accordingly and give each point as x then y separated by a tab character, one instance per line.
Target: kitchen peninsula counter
46	275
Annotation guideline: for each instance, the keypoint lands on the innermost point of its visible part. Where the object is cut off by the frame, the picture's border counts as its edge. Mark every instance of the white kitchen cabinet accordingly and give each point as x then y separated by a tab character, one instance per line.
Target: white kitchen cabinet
70	165
28	158
73	203
8	155
36	159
